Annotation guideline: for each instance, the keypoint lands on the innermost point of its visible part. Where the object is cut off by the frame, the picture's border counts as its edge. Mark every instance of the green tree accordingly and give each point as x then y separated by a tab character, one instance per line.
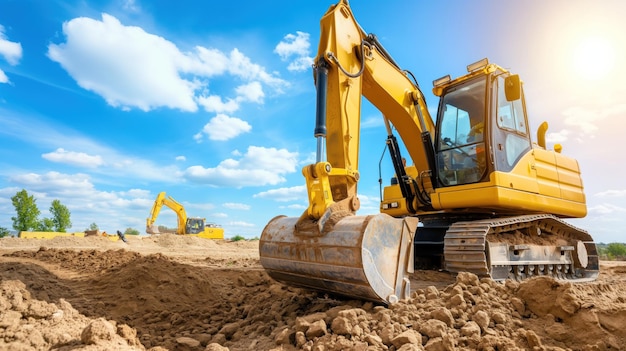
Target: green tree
60	216
4	232
93	226
616	251
45	225
131	231
27	211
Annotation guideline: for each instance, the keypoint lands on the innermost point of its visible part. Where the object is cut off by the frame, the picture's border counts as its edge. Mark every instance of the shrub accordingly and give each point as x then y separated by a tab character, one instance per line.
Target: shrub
616	251
131	231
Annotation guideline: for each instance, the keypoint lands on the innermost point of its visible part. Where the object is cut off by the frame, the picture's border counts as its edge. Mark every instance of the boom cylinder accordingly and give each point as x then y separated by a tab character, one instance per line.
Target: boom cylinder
321	79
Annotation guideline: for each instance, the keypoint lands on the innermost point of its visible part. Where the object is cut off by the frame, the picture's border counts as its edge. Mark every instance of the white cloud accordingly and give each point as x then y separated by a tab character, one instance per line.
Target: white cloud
241	66
300	64
252	92
8	192
369	204
558	137
212	62
222	127
140	193
291	44
74	158
294	207
201	208
55	183
612	193
294	193
372	122
131	6
120	164
295	48
120	63
236	206
181	158
310	158
11	51
257	167
587	118
214	103
606	209
241	224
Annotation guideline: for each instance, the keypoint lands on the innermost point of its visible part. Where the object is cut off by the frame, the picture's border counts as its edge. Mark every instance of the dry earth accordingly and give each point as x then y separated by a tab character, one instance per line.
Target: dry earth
182	293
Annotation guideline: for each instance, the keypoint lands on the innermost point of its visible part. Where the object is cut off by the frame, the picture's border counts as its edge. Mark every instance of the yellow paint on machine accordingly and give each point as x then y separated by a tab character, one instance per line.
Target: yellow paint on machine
47	235
211	233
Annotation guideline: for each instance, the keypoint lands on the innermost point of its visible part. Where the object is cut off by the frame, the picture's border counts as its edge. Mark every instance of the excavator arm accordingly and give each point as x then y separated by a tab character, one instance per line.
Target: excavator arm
328	247
351	64
168	201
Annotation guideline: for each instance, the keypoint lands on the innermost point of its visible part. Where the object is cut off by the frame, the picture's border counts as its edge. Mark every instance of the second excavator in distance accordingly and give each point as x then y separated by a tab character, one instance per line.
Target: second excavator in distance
196	226
474	194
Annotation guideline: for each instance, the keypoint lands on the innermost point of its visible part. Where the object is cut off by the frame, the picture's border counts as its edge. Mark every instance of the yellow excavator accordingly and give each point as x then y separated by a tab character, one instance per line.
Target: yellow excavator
195	226
475	193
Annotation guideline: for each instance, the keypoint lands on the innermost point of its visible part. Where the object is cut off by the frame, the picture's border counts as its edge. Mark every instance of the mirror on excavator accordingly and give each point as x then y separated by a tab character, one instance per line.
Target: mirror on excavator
512	87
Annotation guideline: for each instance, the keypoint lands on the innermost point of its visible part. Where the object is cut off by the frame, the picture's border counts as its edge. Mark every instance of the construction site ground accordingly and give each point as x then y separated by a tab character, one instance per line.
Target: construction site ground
170	292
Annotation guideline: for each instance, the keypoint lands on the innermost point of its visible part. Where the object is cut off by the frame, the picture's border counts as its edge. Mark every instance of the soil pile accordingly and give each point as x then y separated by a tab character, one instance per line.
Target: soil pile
184	293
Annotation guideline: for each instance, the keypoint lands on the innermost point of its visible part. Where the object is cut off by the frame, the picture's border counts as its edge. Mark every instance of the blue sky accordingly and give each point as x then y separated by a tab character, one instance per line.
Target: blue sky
103	104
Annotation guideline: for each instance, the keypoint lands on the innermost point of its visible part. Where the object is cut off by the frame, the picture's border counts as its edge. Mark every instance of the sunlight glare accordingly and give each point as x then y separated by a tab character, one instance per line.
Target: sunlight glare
594	58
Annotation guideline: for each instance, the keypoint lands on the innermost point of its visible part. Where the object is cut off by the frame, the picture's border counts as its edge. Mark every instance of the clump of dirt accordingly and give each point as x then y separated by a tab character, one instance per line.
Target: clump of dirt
31	324
199	295
470	314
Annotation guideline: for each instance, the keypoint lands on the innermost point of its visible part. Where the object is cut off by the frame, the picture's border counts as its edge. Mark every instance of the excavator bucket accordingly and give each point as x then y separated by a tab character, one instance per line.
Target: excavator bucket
365	257
152	229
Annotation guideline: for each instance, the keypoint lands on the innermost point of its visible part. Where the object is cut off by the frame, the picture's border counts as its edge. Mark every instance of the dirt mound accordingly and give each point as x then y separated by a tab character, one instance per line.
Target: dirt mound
593	314
88	261
211	295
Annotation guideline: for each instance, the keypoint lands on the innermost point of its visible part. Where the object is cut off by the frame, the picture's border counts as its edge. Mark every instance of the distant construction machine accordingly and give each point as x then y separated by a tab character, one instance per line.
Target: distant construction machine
196	226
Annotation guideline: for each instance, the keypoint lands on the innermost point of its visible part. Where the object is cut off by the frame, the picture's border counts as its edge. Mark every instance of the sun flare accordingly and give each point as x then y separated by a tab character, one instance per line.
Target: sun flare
594	58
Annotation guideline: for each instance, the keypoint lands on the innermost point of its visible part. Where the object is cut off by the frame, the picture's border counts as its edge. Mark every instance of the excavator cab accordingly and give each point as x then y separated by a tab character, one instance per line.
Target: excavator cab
194	225
478	112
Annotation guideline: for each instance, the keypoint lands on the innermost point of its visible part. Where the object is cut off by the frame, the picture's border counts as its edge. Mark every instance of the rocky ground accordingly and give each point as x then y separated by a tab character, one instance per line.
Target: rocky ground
172	292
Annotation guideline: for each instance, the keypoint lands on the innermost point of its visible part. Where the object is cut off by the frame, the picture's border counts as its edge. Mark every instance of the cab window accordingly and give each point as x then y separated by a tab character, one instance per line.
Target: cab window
461	149
512	137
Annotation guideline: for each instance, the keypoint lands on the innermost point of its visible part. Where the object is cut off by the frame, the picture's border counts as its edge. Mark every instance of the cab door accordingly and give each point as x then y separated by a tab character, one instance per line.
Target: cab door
510	130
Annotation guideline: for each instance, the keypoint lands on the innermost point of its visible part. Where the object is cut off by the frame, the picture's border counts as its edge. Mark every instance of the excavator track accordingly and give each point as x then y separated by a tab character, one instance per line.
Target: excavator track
521	247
